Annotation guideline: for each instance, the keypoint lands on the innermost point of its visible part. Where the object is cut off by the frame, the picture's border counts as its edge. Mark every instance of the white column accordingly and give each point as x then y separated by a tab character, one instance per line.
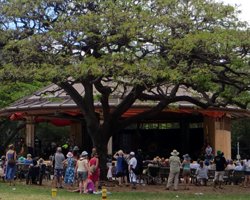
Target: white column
30	132
110	146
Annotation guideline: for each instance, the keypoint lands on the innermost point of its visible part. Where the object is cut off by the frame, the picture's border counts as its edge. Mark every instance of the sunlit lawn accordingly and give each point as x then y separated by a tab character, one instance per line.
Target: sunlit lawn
31	192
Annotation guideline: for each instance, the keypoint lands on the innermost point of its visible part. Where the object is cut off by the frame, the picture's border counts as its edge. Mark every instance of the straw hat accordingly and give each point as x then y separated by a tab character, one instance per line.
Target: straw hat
174	153
69	155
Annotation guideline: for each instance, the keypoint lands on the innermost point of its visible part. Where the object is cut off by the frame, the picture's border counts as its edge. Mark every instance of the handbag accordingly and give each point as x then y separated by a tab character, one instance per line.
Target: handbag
11	162
92	168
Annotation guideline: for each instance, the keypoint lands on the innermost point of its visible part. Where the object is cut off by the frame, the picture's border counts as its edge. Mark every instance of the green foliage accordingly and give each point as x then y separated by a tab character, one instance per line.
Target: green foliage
48	133
22	192
14	91
241	134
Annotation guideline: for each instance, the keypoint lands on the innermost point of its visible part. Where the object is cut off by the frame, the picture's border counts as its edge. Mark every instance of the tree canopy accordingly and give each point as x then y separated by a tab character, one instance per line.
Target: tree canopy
146	44
16	90
143	50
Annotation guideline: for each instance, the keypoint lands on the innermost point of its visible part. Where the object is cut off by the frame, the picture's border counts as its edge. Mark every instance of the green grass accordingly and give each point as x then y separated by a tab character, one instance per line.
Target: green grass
31	192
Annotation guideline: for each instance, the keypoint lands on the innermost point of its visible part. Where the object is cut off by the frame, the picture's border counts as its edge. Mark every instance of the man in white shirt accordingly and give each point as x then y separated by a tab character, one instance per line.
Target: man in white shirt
175	164
131	168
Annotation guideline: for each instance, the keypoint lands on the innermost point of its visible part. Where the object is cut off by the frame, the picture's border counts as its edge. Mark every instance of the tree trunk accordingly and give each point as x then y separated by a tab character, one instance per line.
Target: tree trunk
102	152
100	141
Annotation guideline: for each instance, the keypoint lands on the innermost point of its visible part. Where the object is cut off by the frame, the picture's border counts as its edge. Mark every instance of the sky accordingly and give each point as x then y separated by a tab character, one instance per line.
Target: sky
244	6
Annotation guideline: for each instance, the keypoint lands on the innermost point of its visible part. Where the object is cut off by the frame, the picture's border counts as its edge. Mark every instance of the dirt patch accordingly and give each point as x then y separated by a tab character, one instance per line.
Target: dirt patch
193	189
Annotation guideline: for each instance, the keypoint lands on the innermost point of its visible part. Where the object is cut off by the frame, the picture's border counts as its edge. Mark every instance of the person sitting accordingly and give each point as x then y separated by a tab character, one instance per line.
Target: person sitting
28	160
208	150
238	173
208	153
194	165
90	186
201	174
239	166
42	170
33	172
230	165
211	166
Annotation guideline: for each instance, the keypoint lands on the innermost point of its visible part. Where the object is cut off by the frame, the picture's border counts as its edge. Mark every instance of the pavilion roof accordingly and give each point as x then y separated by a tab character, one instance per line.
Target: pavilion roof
52	100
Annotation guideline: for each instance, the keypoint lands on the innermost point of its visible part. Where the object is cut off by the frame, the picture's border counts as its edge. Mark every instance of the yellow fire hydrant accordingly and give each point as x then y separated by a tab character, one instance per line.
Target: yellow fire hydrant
104	194
53	192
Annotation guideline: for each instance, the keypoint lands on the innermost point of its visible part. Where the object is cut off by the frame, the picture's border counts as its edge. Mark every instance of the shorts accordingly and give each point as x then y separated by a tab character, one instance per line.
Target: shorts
219	176
82	176
186	173
58	172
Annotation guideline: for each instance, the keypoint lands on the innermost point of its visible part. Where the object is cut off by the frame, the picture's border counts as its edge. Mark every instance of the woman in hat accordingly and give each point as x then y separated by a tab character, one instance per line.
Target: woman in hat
70	162
175	164
186	171
82	169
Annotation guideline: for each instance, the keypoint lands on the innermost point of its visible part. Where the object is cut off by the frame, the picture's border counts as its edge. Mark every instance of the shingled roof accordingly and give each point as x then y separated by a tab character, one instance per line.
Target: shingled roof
52	100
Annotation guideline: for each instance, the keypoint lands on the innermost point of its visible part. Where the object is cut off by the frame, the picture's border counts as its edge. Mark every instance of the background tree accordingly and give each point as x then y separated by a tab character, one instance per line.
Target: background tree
9	93
133	50
241	134
15	90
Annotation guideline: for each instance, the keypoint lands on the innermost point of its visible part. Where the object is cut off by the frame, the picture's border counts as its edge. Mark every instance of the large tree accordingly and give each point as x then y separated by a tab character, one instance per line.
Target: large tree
135	50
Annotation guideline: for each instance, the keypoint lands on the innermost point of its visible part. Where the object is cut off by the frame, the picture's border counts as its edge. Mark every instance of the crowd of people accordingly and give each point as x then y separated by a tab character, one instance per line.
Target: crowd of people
73	169
77	168
82	169
125	169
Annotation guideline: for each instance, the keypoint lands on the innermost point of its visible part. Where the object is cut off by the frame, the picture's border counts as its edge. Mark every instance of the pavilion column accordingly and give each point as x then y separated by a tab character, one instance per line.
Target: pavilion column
218	134
110	146
30	133
76	135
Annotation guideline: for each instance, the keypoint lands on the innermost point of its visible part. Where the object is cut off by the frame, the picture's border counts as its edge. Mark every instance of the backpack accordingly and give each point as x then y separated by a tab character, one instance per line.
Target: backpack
136	170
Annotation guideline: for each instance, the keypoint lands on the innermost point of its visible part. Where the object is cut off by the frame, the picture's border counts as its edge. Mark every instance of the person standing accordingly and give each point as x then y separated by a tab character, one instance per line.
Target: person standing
175	164
11	164
70	169
82	169
220	165
76	152
121	166
94	168
58	168
131	168
186	171
139	158
246	168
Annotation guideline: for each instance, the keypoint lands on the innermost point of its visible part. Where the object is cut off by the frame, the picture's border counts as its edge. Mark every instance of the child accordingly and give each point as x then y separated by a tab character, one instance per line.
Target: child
90	186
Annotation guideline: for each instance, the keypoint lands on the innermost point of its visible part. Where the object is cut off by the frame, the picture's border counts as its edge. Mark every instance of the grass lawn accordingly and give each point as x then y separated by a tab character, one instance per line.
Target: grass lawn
32	192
